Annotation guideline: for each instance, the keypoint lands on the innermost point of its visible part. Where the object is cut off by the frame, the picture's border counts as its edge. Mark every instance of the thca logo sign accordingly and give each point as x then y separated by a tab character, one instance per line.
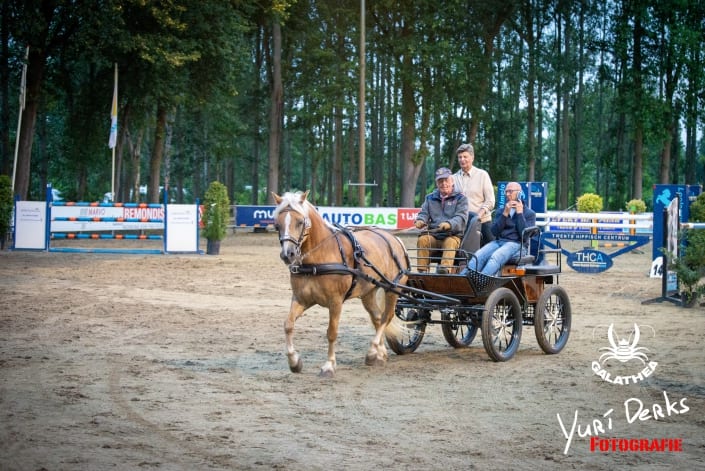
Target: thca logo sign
623	355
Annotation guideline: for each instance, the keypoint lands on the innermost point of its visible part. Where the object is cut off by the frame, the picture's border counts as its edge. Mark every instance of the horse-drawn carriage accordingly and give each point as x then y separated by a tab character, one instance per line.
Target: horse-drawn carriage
526	293
330	265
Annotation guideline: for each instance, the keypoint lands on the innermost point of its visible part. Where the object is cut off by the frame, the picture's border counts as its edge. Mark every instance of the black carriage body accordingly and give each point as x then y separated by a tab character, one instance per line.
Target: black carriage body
469	293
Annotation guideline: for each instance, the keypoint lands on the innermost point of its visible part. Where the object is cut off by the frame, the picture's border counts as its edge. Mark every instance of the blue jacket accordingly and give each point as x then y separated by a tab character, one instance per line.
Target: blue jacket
510	228
453	209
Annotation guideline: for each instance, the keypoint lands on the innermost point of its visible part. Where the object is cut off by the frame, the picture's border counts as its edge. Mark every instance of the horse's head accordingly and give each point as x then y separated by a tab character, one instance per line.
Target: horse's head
291	220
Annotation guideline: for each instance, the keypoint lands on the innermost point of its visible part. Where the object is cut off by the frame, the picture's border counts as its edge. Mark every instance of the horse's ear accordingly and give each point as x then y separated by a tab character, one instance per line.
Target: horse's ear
304	195
277	198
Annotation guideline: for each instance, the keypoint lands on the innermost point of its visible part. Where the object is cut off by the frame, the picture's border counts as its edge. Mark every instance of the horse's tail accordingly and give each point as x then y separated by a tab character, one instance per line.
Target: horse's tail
397	328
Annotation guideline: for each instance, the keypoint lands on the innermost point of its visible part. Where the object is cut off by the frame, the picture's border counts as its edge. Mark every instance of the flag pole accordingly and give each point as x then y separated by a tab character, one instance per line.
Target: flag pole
112	143
23	94
112	179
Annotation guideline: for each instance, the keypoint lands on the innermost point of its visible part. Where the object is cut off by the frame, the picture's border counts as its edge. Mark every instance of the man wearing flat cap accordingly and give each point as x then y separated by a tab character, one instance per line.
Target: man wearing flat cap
443	214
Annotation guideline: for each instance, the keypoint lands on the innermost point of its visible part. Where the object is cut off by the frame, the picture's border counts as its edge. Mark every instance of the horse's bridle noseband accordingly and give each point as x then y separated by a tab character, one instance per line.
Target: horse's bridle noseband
302	236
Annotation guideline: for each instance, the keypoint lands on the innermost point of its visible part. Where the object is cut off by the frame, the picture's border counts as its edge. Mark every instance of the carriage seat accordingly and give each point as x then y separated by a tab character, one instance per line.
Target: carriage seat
532	257
472	238
469	244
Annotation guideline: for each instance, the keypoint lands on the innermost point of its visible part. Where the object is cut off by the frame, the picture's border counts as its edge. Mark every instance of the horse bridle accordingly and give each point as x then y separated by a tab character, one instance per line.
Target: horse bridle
302	236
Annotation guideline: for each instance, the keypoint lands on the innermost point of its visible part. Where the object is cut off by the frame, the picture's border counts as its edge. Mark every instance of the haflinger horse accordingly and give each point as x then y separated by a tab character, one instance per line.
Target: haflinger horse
330	265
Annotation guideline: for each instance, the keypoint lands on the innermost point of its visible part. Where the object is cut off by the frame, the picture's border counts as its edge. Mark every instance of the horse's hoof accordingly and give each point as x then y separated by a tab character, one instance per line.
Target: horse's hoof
298	367
374	360
326	373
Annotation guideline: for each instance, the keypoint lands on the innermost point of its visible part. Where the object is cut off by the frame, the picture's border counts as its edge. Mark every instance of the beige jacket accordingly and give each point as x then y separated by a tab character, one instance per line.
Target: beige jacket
477	187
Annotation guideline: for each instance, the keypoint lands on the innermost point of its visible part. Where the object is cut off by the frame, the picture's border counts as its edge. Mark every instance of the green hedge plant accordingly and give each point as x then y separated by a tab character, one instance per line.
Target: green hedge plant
636	206
690	264
6	205
216	215
589	203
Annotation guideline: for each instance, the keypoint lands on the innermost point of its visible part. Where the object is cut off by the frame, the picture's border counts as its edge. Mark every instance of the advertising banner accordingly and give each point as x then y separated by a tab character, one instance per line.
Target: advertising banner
30	225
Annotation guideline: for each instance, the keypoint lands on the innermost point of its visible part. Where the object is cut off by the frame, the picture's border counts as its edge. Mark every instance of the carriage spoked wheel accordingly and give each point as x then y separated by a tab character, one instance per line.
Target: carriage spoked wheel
458	333
501	324
412	328
552	319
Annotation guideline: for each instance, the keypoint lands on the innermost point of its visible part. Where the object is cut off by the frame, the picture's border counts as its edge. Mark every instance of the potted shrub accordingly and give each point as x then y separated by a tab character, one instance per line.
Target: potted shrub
636	206
6	205
690	264
590	203
216	215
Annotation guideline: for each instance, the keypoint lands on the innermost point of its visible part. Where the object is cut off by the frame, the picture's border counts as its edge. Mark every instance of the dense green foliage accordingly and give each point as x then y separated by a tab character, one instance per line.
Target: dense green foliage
589	203
216	211
690	265
636	206
6	205
592	96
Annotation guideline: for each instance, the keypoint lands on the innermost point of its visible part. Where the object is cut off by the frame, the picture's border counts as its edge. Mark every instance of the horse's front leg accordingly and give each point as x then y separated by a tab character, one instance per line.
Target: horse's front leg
328	368
295	311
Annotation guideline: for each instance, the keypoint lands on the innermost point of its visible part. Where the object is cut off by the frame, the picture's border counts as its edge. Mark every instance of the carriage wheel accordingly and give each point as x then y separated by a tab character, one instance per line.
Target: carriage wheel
458	334
501	324
552	319
410	333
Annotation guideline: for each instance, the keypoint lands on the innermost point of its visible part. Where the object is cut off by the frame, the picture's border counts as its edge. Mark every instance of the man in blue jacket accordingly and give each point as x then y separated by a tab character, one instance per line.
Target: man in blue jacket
444	213
507	228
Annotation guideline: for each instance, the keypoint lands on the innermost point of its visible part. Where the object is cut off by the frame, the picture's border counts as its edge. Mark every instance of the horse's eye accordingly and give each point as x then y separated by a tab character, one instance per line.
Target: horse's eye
277	227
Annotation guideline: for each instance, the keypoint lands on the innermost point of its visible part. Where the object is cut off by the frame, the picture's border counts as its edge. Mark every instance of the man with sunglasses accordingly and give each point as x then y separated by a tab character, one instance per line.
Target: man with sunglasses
507	228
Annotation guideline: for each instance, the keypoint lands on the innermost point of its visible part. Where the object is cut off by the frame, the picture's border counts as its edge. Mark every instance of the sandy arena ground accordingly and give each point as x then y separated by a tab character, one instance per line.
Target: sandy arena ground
176	362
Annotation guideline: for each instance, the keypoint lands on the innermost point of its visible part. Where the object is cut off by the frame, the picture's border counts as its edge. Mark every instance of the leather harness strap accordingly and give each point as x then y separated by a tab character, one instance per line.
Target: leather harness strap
318	269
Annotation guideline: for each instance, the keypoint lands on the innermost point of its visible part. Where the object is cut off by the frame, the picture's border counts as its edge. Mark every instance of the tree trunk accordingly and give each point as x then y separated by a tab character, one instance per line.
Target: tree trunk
578	137
275	114
562	196
133	178
5	152
638	163
337	174
638	160
35	75
259	48
120	187
564	122
155	163
410	168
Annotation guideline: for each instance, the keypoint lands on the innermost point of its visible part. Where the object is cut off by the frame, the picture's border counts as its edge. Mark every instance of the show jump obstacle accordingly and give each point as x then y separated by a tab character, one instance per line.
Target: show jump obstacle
671	228
38	224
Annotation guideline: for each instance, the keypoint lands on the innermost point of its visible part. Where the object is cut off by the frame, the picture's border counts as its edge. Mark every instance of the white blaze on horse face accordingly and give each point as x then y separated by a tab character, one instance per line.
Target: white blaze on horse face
289	249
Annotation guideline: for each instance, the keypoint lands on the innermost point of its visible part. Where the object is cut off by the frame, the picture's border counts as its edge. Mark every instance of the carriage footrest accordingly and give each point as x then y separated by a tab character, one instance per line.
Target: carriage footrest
544	269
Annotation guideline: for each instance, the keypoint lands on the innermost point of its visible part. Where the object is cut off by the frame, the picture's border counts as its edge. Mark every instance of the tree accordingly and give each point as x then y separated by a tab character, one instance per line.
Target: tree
526	82
46	27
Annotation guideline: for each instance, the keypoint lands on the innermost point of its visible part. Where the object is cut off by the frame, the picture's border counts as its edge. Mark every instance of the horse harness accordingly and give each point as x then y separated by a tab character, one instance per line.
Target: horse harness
359	259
